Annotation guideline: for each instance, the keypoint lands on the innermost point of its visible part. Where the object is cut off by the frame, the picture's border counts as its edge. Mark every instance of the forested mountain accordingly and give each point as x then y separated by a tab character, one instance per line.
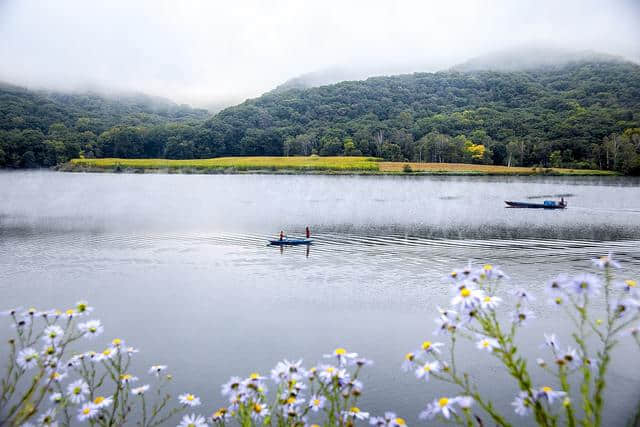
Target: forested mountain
585	113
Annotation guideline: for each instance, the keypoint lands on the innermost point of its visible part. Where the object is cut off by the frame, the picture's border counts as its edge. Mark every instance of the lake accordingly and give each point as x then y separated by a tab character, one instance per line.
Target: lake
178	266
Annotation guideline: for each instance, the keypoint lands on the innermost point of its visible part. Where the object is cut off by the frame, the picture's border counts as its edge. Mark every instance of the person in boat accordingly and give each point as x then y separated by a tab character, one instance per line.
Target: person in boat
281	235
308	232
562	202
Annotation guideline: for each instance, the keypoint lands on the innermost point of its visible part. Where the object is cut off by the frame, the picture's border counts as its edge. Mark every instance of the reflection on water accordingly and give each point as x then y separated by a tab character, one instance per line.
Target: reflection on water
180	266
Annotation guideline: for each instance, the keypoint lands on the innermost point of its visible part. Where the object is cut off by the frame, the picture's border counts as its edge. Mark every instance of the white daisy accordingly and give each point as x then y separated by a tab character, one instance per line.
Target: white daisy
606	261
220	415
77	391
10	312
91	329
189	399
629	286
361	361
102	402
355	413
231	386
52	334
552	342
555	286
259	410
549	394
193	420
585	284
522	404
106	354
157	369
27	358
467	298
446	325
128	378
465	402
48	418
390	419
424	370
569	358
56	398
523	296
490	272
429	347
443	406
82	308
140	390
625	306
490	302
342	355
521	316
317	402
487	344
408	362
87	411
58	376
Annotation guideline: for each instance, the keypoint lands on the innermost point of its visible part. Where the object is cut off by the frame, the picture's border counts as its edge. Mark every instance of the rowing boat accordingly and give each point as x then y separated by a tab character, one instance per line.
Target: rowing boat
548	204
290	241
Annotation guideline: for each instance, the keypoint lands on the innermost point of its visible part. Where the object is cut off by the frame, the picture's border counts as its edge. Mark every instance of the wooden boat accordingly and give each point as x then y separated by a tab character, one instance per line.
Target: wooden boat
548	204
290	241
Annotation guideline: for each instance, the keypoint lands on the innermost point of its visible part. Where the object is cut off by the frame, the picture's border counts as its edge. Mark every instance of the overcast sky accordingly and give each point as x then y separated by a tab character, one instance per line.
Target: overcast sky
207	51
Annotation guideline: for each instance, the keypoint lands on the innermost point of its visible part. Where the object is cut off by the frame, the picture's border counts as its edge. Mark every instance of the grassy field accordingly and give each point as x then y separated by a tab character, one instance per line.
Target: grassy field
313	163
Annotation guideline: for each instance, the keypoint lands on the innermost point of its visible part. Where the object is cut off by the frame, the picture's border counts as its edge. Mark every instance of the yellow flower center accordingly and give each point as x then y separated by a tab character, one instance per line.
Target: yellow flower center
291	400
454	274
70	312
81	307
98	400
330	369
190	397
487	299
427	367
485	343
93	329
257	408
409	356
443	402
355	410
631	283
547	389
254	376
77	390
400	421
107	352
116	342
465	292
316	402
584	285
488	267
340	352
86	411
126	377
558	300
426	345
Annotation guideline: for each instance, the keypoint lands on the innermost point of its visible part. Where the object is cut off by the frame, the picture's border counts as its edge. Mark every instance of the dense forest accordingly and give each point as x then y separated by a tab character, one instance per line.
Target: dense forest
582	115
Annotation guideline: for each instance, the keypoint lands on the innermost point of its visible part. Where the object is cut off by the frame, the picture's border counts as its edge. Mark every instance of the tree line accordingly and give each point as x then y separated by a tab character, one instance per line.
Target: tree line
583	115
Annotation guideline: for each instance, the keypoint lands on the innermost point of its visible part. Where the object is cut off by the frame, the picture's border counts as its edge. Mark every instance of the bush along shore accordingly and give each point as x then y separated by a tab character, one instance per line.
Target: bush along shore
47	383
311	164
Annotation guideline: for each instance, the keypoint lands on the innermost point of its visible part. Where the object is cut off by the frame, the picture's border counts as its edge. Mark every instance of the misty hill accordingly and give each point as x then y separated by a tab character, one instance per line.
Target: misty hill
534	57
556	116
21	108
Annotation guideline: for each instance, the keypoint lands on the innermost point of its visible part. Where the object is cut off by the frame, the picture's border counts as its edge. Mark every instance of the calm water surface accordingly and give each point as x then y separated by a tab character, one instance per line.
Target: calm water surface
178	265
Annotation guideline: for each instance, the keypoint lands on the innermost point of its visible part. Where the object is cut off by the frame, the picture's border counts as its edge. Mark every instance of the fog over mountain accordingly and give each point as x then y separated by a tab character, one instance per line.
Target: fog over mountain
211	54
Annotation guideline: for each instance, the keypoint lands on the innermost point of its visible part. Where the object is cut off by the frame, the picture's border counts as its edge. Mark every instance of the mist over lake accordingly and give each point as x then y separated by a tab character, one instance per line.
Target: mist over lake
178	265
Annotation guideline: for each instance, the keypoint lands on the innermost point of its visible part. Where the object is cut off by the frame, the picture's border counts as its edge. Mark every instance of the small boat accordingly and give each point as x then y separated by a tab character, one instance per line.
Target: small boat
547	204
290	241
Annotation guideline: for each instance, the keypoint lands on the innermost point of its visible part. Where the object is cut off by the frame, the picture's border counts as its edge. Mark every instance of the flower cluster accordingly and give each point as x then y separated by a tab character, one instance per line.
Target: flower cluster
474	316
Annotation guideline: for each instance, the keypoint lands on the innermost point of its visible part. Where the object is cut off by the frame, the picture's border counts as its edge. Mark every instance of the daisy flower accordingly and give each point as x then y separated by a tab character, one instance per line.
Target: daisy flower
523	296
77	391
193	420
522	404
56	398
569	358
259	410
117	343
487	344
231	386
467	298
629	286
220	415
317	402
429	347
489	271
557	301
106	354
58	376
606	261
445	325
342	355
102	402
91	329
140	390
424	370
490	302
389	419
551	341
10	312
27	358
624	306
585	284
555	286
48	418
52	334
521	316
361	361
87	412
82	307
128	378
157	369
465	402
189	399
549	394
409	361
356	413
443	406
